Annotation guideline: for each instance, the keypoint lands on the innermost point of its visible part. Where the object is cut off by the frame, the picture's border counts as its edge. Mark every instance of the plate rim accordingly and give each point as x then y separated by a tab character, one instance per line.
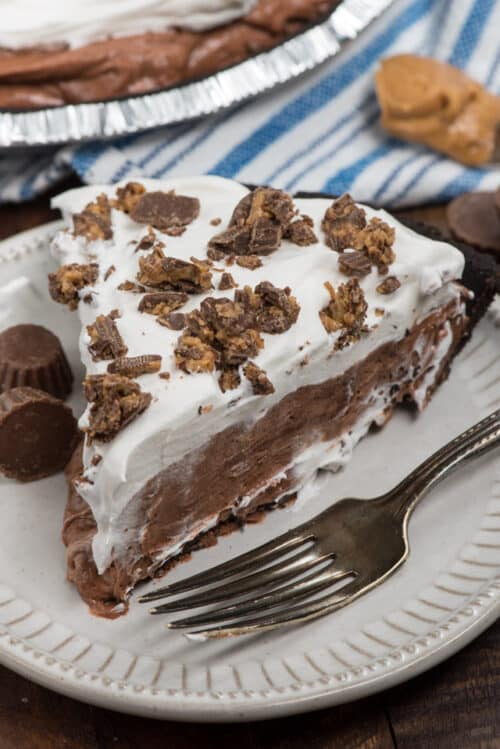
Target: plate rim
424	651
73	123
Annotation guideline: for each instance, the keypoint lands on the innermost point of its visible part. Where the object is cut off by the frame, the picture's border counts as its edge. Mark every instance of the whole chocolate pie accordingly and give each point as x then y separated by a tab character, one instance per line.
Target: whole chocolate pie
88	50
235	342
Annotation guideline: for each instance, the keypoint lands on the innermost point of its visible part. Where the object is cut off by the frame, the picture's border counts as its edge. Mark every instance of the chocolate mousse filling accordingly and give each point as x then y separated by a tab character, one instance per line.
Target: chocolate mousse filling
46	77
245	468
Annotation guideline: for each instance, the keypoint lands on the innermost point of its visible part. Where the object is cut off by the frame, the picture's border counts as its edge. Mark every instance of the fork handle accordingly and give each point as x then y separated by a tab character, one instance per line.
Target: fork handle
475	441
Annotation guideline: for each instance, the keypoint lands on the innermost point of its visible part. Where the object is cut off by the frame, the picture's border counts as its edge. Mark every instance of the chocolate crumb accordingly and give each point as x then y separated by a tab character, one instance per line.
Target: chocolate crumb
105	340
379	312
94	222
354	264
127	197
164	375
96	460
135	366
172	320
110	270
163	272
193	355
301	232
227	282
116	401
342	224
261	384
230	380
216	221
162	302
134	288
148	241
166	211
257	225
377	240
345	312
214	254
389	285
205	409
68	280
249	261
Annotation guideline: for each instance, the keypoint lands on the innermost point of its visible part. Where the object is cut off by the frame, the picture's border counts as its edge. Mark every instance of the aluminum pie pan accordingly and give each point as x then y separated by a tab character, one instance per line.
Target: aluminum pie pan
110	119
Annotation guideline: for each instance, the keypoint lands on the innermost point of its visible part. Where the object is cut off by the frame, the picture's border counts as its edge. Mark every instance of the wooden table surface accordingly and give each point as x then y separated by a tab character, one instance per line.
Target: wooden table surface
455	706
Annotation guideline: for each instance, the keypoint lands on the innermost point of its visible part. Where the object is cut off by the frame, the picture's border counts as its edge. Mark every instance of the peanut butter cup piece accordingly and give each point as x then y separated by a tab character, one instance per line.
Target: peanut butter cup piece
474	218
166	211
38	434
33	356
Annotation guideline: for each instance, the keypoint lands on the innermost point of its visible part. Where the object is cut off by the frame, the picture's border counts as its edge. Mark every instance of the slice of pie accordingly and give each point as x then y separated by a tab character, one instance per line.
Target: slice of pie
91	50
235	342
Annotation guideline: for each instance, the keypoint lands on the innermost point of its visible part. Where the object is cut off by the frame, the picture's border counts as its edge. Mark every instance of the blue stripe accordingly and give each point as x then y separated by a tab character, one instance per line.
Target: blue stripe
416	179
490	79
177	132
471	32
123	170
202	137
466	181
334	151
84	158
317	96
367	104
344	179
394	173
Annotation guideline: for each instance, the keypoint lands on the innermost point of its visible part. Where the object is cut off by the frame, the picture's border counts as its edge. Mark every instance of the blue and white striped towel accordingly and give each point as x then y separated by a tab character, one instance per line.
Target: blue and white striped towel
319	133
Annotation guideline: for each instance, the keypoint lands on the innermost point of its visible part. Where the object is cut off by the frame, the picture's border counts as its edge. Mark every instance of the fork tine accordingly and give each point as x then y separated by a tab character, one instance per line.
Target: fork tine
287	616
296	591
243	563
277	573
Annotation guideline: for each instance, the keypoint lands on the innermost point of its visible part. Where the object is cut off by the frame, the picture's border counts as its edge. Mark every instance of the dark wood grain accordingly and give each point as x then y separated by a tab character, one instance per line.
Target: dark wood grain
454	706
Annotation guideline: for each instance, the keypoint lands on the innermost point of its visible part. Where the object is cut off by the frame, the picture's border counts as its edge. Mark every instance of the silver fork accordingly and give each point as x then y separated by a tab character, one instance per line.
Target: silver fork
356	543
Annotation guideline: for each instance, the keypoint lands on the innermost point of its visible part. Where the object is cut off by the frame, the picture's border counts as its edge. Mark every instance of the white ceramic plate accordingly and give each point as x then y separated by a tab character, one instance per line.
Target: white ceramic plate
447	593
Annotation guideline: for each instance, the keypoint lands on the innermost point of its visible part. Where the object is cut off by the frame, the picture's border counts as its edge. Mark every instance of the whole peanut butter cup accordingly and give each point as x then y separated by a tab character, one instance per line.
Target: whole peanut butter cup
38	434
32	356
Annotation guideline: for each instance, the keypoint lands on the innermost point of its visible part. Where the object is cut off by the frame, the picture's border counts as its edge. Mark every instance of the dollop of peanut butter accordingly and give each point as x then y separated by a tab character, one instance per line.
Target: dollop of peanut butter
431	102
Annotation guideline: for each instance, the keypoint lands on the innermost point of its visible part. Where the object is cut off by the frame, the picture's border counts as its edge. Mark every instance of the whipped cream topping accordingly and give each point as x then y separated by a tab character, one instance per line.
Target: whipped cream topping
31	23
172	427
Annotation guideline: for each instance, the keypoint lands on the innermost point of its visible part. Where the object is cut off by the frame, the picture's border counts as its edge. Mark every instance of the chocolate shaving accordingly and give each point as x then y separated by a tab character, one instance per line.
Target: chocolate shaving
389	285
135	366
251	262
345	312
94	222
127	197
342	224
68	280
354	264
108	273
166	211
161	302
261	384
172	320
227	282
105	340
116	401
159	271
